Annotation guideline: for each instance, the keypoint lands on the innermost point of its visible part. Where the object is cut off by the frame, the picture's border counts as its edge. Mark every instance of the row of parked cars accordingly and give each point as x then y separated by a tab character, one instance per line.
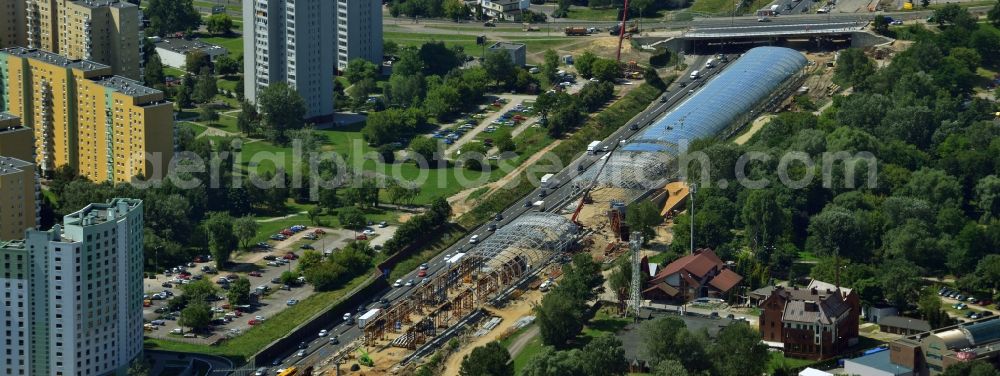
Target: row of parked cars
965	298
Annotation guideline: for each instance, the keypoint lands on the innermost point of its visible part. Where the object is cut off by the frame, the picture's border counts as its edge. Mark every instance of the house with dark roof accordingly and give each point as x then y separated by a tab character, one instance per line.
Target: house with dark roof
903	325
816	322
698	275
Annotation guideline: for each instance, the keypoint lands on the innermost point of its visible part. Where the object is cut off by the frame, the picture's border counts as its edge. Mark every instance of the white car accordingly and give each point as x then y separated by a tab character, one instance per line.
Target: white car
474	239
323	333
398	283
292	302
368	232
409	283
301	354
259	317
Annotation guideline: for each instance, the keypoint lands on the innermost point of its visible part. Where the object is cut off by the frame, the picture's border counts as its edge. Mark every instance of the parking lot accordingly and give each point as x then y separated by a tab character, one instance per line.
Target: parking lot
965	306
262	271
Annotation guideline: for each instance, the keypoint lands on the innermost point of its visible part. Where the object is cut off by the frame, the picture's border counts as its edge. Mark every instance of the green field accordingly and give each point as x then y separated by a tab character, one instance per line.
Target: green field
533	44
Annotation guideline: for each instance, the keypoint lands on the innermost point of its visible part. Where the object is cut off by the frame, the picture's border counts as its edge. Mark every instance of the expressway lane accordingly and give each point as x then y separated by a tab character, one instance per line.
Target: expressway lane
556	198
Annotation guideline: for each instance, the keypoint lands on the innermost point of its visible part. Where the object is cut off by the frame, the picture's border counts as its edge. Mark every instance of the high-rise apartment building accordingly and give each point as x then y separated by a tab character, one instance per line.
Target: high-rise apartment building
291	41
359	31
18	197
105	31
107	128
73	294
16	141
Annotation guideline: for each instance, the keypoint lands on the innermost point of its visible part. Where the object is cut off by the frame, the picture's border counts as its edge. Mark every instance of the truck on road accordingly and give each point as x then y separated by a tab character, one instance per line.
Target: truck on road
575	31
546	180
363	319
592	147
455	258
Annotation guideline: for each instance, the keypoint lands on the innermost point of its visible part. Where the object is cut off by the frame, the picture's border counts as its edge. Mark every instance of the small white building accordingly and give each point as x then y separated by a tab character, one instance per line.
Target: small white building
173	52
814	372
509	10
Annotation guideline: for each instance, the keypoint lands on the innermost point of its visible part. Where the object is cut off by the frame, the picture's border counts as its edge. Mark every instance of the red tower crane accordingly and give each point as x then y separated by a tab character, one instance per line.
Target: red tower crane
621	32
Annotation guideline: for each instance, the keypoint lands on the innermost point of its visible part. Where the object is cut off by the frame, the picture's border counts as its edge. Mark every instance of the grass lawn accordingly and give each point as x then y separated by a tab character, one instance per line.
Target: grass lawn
198	128
778	360
170	71
529	351
227	84
468	41
225	123
600	14
604	323
718	7
261	335
327	219
233	44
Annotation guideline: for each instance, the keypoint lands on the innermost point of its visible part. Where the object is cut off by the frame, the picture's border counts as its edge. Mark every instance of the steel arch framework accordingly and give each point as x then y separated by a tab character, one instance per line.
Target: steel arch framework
532	238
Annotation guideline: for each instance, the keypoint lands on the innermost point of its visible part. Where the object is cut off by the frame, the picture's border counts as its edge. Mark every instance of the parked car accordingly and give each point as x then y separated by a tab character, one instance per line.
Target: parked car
292	302
270	257
254	273
361	237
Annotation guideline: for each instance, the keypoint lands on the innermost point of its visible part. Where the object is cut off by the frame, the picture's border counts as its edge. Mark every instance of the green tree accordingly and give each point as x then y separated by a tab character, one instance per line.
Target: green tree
643	216
206	88
169	16
551	65
427	148
994	15
288	278
559	318
667	338
669	367
955	15
248	120
973	368
196	316
504	142
207	113
195	61
327	276
221	240
455	10
359	70
853	67
900	281
836	230
473	155
360	91
138	367
606	70
153	74
881	24
225	65
930	310
352	218
764	218
219	24
442	101
604	356
584	64
499	67
738	351
309	259
987	197
239	292
489	360
550	362
282	109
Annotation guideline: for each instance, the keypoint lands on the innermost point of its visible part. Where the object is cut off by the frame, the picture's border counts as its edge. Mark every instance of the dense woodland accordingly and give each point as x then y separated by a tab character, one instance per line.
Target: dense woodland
935	210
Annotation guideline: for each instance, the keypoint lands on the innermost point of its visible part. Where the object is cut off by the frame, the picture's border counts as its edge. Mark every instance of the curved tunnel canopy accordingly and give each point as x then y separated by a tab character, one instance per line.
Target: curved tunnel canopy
732	93
644	160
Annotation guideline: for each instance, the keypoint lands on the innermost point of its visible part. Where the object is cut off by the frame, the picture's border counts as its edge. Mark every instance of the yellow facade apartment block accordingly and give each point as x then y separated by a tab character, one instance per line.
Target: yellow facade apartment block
104	31
16	141
101	125
18	198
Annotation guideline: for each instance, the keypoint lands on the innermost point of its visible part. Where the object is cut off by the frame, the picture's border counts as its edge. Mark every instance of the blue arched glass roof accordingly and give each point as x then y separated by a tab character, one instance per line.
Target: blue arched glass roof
984	332
720	102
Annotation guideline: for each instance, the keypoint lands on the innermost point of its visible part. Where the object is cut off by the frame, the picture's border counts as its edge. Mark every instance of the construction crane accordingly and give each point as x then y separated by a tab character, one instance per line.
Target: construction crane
621	32
585	198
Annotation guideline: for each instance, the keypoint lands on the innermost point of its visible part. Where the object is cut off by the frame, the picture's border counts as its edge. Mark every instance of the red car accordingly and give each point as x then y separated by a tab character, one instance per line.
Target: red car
290	256
361	237
422	273
253	322
184	276
319	231
287	232
254	274
198	259
226	306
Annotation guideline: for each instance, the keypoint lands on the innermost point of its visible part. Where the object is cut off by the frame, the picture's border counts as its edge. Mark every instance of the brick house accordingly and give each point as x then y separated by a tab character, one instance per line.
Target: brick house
697	275
816	322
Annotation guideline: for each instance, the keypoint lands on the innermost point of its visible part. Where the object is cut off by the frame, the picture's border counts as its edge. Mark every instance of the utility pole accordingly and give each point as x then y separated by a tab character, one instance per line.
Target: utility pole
693	188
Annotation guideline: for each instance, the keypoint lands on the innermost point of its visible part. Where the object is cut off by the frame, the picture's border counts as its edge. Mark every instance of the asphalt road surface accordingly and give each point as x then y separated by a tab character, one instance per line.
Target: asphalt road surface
320	348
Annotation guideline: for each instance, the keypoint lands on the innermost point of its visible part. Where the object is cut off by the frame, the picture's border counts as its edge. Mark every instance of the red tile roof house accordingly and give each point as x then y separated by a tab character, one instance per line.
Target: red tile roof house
697	275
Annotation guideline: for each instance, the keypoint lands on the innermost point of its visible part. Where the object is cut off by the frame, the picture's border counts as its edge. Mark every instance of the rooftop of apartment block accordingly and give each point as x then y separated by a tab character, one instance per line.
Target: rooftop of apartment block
53	58
10	165
183	46
104	3
98	213
125	86
507	46
18	244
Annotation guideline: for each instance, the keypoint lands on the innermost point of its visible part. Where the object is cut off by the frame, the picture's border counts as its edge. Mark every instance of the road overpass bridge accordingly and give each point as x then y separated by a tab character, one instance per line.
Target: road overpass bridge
807	35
